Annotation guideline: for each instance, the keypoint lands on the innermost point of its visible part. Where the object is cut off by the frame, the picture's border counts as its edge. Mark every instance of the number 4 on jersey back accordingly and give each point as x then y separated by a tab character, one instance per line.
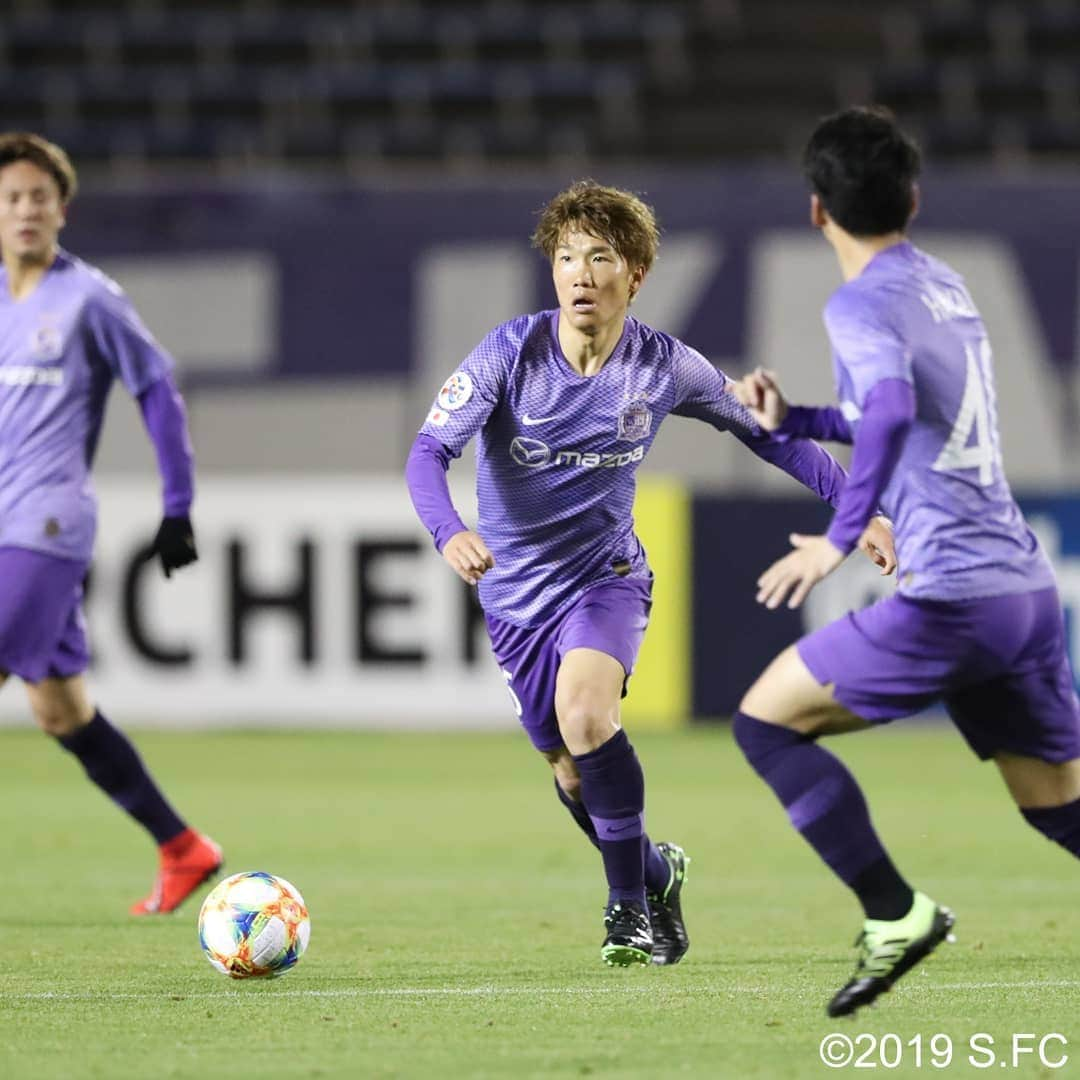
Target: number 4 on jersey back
976	411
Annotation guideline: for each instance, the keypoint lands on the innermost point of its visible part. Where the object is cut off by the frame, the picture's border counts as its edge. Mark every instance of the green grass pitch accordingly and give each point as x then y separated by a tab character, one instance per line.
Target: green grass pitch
456	917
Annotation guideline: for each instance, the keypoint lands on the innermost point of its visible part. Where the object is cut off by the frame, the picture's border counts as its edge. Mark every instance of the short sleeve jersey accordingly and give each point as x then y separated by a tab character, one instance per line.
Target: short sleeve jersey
959	532
61	347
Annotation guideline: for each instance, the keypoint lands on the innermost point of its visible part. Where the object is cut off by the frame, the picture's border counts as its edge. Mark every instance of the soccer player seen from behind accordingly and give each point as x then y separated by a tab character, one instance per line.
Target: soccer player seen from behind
66	331
976	622
566	404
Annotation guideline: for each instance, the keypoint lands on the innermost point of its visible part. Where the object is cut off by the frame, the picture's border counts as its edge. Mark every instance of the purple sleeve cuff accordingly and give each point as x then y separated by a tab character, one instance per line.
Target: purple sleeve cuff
888	414
165	418
826	422
425	474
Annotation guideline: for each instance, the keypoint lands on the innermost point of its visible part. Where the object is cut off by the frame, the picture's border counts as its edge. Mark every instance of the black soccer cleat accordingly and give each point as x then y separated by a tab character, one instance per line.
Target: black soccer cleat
629	939
670	940
890	949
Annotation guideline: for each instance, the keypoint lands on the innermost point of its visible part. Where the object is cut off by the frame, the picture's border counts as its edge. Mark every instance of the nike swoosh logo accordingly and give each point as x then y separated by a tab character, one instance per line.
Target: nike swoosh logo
529	421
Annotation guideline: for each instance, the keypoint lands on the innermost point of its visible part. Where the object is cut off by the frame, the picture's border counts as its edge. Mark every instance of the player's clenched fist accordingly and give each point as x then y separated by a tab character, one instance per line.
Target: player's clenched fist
468	556
760	392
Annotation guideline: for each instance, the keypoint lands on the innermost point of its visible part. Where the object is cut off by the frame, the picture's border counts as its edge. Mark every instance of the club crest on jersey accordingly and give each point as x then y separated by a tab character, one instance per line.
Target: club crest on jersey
635	420
455	391
46	343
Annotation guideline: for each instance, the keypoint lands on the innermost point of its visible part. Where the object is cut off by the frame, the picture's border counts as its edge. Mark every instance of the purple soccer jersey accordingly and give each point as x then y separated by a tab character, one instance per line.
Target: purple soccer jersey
60	349
959	533
977	622
557	454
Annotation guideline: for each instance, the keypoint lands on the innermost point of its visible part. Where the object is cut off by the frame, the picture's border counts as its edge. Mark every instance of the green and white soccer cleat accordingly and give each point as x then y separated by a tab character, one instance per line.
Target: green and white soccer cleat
891	948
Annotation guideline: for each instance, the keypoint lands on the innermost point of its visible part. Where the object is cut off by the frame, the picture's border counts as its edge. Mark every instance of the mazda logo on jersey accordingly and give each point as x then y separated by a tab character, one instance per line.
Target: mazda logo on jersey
534	454
531	453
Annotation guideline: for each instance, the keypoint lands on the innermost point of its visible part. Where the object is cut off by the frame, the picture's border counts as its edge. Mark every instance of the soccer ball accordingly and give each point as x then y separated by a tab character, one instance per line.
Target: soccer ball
253	925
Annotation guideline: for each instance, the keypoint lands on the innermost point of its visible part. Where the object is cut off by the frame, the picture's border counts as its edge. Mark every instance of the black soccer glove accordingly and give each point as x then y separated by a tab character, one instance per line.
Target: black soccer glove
174	544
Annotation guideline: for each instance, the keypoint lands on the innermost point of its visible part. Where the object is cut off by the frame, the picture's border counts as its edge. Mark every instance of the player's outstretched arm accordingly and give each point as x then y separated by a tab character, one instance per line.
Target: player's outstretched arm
804	460
165	418
760	393
888	413
755	411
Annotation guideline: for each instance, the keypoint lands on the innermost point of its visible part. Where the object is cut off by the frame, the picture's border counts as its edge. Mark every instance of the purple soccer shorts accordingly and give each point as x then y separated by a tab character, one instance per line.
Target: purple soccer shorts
610	617
998	664
42	630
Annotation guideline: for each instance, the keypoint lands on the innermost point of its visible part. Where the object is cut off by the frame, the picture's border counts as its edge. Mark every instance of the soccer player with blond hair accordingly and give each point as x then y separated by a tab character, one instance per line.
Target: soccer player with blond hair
565	404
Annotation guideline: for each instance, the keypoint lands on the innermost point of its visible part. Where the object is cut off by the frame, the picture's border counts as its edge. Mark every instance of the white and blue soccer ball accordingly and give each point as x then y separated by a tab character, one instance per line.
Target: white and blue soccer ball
254	925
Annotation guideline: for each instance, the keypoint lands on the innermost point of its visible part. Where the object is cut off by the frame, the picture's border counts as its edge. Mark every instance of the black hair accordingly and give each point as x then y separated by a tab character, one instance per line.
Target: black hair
863	168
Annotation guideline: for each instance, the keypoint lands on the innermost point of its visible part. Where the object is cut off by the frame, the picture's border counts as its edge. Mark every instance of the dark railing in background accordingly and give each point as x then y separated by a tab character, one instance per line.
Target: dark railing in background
352	86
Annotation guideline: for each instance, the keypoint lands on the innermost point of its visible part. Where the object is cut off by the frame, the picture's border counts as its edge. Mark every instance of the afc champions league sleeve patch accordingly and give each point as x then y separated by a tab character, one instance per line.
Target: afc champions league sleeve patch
635	420
455	392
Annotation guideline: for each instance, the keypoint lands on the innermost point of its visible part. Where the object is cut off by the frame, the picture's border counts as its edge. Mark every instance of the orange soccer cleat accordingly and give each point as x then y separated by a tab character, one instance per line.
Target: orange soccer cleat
186	862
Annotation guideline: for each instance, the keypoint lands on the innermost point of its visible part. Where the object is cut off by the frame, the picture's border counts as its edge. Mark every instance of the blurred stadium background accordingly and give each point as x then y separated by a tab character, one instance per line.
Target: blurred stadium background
320	207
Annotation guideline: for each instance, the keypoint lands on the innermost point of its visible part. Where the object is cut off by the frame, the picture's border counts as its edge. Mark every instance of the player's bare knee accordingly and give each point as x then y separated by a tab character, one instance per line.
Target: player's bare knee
60	706
57	720
765	701
575	725
584	725
787	694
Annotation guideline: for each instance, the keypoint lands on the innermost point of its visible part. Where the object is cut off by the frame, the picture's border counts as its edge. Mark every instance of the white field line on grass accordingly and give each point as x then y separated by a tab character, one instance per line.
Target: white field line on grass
226	994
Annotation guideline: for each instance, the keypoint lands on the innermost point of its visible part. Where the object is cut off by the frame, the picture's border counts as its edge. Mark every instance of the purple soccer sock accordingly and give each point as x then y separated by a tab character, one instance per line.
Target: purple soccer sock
1059	823
613	794
115	766
825	804
657	871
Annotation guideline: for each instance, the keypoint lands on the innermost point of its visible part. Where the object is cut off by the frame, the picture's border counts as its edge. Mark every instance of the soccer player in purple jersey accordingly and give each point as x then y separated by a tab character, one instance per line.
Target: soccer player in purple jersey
566	404
66	331
976	623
